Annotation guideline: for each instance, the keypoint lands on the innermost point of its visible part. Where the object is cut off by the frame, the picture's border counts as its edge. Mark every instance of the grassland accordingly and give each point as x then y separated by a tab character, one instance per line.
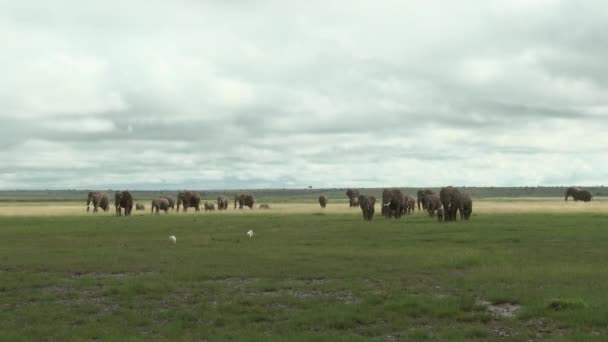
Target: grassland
531	269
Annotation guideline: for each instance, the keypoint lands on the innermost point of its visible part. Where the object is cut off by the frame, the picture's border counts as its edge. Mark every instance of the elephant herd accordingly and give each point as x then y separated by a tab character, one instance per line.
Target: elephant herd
445	206
395	203
185	199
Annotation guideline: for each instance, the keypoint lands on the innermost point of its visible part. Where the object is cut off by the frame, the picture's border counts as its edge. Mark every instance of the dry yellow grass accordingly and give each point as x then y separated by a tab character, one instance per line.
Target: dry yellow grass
486	206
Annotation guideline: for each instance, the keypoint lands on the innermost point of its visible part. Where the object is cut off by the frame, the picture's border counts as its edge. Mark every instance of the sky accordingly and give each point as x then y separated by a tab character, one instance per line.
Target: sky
235	94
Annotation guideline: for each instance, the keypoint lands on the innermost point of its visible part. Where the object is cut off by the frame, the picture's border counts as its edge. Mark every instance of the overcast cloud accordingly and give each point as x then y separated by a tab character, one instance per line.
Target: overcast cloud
274	94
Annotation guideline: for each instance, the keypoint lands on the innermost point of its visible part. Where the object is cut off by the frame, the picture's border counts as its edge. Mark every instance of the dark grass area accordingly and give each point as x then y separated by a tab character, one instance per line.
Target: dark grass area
304	277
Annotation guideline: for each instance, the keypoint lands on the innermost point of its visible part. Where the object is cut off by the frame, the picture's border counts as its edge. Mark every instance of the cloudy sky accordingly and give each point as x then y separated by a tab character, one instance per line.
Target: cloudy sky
231	94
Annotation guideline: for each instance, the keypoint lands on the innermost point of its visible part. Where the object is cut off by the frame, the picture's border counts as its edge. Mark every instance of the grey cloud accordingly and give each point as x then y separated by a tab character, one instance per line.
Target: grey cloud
247	94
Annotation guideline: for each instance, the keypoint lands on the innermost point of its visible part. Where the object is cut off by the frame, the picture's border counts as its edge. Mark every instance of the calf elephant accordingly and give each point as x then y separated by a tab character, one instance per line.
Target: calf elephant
244	199
432	203
467	206
222	203
99	200
140	206
353	197
578	195
451	199
410	204
323	201
440	214
209	206
189	199
123	199
421	197
171	201
161	203
367	204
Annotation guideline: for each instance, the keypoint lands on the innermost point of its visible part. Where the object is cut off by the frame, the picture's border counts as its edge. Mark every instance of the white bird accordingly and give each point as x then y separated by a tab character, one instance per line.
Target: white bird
172	238
250	233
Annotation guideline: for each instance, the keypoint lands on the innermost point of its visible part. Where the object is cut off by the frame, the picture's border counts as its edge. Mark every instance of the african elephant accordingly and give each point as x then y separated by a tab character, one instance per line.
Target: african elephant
578	195
140	206
467	206
209	206
99	200
162	203
393	203
171	201
323	201
123	199
421	194
244	199
410	204
367	204
432	203
222	203
353	197
440	214
190	199
451	199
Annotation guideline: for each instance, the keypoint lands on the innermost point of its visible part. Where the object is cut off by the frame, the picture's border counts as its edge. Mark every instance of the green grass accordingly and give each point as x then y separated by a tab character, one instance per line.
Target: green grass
302	277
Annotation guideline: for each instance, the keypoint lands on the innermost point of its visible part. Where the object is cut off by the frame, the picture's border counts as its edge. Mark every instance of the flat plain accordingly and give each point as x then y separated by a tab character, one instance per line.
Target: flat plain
521	269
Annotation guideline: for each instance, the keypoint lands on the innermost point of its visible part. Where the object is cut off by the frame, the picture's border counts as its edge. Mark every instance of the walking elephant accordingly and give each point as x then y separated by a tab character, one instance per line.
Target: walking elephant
353	197
451	199
209	206
222	203
171	201
421	197
440	214
189	199
367	204
323	201
393	203
244	199
161	203
578	195
410	204
432	203
123	199
99	200
467	206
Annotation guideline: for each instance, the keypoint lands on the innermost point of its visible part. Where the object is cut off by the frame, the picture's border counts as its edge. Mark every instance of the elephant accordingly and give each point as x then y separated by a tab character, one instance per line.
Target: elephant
222	203
432	203
123	199
264	206
99	200
421	194
467	206
323	201
578	195
209	206
140	206
410	204
244	199
367	204
190	199
353	197
440	214
393	203
451	199
162	203
171	201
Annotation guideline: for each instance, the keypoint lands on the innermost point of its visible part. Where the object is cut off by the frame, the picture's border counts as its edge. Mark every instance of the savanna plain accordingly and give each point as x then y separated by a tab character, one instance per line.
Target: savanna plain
522	269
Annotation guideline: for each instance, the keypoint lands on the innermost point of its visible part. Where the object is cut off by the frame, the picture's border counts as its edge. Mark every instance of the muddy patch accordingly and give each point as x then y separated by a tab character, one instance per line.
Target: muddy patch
502	310
235	282
118	275
346	297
